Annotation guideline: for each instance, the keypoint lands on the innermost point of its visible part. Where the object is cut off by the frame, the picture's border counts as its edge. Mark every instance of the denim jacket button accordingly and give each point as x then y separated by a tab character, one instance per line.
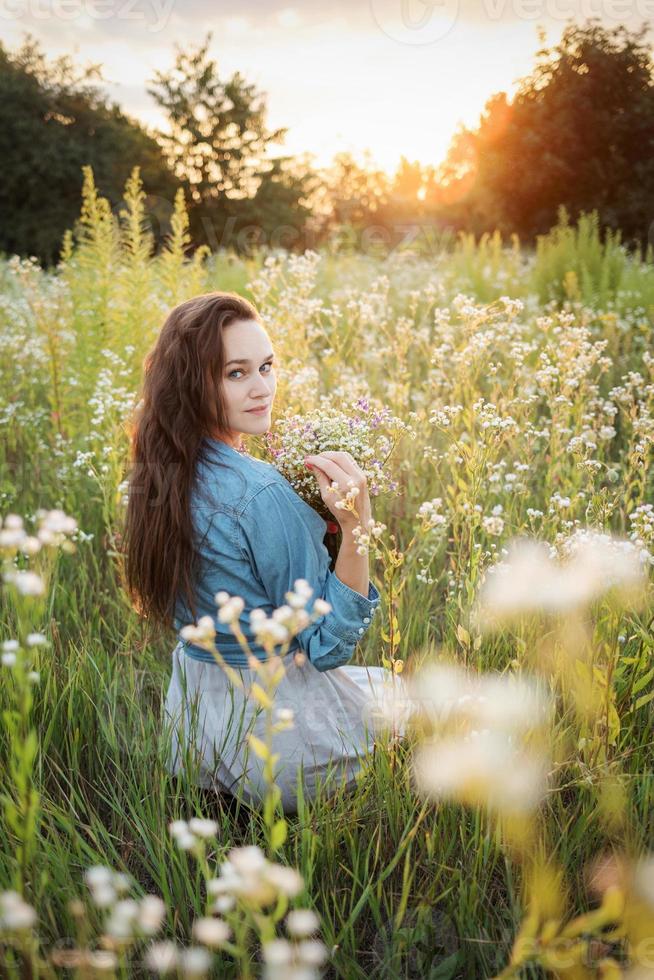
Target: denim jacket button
366	619
361	629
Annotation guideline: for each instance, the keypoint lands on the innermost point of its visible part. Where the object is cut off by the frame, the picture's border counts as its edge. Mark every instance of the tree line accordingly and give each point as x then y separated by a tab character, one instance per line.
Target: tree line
578	133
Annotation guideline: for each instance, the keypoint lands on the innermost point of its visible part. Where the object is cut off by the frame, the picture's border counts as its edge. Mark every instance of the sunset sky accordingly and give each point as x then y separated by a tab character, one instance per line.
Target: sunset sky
393	76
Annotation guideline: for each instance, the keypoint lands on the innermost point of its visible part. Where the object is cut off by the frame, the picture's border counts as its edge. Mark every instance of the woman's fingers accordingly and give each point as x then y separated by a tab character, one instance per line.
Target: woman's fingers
330	470
339	466
321	477
345	460
327	471
334	474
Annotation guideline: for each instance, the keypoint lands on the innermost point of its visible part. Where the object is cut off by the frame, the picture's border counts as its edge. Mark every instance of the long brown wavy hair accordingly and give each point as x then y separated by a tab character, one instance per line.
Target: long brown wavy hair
181	403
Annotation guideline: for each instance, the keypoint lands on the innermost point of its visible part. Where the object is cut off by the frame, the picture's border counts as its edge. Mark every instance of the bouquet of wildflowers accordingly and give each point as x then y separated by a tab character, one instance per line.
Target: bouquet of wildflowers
369	434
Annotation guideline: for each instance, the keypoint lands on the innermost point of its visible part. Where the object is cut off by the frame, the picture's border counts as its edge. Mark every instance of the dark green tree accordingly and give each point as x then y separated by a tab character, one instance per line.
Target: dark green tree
579	132
53	121
218	143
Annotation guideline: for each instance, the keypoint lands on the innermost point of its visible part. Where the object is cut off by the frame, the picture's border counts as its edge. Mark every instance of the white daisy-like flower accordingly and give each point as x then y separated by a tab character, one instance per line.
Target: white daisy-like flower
211	932
302	922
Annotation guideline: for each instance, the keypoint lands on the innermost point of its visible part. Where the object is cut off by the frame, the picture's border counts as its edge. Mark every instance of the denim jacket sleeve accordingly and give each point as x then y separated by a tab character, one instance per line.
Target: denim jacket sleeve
282	538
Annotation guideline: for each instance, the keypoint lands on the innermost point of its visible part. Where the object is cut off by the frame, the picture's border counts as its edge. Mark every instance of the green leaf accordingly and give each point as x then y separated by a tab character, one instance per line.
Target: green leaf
646	698
643	681
614	724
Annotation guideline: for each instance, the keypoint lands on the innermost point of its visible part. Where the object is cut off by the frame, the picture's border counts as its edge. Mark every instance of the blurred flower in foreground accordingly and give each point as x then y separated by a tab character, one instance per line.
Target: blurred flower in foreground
190	834
55	528
280	627
476	732
15	913
248	876
482	768
128	918
162	957
293	961
449	693
530	579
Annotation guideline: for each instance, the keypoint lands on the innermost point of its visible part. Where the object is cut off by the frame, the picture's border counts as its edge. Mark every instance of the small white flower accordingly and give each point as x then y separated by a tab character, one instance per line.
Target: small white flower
120	923
270	631
27	583
247	860
218	886
12	539
57	522
302	922
36	640
178	827
286	880
278	952
493	525
211	932
230	611
152	911
224	903
104	896
15	913
203	828
195	961
184	839
197	635
98	876
302	587
8	659
312	952
162	957
284	614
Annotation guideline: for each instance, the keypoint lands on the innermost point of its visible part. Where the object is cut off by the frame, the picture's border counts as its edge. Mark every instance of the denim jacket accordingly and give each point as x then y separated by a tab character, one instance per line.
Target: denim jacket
255	537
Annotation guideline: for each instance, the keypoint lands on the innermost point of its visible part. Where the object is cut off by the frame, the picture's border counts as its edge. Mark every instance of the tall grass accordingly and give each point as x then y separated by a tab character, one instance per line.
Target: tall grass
537	413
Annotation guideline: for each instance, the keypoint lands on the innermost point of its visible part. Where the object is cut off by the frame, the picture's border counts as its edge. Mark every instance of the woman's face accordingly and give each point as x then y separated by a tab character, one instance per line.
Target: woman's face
249	384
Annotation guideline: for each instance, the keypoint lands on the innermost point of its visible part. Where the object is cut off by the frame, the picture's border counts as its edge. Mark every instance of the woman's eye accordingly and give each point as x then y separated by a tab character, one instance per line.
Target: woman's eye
238	370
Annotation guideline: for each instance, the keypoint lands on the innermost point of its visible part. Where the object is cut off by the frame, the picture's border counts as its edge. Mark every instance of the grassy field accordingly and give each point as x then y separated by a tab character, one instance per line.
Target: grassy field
529	379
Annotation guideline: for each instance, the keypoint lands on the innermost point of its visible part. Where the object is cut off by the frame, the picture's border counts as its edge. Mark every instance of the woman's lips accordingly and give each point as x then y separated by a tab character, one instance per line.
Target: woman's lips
258	411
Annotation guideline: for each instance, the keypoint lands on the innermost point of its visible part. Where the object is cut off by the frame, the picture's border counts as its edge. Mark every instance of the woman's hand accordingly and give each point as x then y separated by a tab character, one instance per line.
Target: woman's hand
340	468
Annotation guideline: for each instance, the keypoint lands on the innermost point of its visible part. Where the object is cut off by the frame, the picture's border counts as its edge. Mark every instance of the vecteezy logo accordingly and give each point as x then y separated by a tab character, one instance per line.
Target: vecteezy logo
415	21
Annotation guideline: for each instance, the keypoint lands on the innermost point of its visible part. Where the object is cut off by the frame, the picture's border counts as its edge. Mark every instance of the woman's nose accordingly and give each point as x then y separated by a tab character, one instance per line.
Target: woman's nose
262	387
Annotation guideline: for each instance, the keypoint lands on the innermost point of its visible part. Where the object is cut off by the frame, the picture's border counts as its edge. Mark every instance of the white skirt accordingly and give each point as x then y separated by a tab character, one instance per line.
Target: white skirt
336	715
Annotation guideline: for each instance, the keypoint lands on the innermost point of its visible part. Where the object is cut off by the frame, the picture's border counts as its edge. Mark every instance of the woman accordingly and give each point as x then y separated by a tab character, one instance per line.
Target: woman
203	516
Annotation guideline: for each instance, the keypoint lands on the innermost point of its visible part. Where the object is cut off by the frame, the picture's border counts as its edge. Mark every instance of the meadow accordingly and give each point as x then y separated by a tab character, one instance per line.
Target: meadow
528	377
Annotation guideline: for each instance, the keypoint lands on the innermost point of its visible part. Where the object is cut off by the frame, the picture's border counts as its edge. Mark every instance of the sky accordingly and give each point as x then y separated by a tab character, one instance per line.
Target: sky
391	77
